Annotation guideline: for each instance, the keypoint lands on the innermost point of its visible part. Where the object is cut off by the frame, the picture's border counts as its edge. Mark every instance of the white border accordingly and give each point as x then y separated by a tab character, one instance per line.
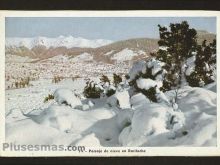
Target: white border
150	151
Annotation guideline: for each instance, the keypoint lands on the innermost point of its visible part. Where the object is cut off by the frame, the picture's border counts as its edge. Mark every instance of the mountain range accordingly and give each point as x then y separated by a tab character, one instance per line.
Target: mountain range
100	50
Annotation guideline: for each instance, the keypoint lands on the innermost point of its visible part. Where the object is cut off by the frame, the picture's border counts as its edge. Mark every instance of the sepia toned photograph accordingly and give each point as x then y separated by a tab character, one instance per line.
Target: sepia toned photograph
78	82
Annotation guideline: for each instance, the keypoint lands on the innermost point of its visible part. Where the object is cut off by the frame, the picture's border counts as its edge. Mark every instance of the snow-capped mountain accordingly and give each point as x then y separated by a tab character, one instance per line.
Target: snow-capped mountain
44	48
60	41
100	50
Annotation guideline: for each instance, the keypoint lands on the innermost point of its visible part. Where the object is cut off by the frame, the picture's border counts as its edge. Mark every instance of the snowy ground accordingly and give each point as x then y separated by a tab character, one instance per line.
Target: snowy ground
97	123
58	66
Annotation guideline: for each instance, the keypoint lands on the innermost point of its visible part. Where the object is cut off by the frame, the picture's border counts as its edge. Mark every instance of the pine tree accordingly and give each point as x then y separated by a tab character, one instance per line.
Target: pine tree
204	65
178	43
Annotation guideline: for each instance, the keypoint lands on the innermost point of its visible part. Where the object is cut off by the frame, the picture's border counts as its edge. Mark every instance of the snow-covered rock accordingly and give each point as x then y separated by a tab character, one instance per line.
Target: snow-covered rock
66	96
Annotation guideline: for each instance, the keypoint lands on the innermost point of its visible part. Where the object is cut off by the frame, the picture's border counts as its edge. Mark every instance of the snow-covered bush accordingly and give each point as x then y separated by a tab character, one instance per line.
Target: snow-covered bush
92	90
105	79
67	97
150	93
57	79
110	92
49	97
116	79
108	88
105	87
120	99
102	88
148	121
22	83
147	77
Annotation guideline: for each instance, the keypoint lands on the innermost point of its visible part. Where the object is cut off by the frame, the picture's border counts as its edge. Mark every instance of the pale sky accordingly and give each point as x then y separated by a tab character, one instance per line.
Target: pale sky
112	28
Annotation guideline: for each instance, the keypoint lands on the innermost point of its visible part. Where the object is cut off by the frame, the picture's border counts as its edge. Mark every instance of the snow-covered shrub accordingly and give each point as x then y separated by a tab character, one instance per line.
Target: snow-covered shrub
116	79
102	88
146	77
67	97
150	120
150	93
108	88
105	79
110	92
127	77
120	99
49	97
56	79
75	77
22	83
92	90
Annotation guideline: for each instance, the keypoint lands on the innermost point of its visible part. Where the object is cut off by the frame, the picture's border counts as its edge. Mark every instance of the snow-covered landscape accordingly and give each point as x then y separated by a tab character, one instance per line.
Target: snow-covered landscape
82	100
92	122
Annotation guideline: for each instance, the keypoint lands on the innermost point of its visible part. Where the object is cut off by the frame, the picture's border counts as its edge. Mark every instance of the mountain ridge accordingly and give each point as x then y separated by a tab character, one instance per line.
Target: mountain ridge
125	50
68	41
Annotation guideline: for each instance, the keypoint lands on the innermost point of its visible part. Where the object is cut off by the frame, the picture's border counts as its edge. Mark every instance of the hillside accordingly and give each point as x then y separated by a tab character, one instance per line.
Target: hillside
100	50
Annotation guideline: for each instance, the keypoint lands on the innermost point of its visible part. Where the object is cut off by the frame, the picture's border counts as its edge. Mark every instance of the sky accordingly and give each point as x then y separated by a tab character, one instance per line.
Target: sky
112	28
